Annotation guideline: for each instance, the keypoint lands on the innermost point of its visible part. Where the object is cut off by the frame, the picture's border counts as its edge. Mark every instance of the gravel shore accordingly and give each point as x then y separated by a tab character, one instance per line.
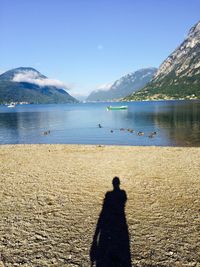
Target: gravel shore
51	199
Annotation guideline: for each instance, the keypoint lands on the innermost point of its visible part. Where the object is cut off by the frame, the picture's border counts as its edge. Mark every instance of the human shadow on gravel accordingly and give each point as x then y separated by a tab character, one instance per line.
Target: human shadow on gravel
110	246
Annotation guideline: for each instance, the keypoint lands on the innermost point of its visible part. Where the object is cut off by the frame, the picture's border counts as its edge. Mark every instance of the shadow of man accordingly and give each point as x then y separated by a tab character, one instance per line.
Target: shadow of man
110	246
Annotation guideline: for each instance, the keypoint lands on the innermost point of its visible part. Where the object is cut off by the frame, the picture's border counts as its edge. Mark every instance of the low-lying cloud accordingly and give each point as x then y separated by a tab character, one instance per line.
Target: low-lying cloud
34	77
104	87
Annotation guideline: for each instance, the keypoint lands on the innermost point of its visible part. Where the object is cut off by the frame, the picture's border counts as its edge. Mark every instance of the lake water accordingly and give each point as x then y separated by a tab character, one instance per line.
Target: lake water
176	123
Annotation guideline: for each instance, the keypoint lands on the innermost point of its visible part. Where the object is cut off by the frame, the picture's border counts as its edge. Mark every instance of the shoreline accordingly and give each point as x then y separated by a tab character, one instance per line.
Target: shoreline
99	145
51	197
111	101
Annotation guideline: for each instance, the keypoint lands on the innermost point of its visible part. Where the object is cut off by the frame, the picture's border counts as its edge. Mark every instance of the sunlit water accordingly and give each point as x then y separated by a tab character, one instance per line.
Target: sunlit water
176	123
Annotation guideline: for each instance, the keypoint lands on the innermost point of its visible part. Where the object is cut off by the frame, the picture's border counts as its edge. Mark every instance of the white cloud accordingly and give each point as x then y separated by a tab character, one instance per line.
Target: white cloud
104	87
33	77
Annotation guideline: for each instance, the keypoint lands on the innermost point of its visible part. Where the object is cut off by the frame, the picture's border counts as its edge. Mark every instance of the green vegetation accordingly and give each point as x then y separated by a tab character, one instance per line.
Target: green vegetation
11	91
170	87
18	92
179	75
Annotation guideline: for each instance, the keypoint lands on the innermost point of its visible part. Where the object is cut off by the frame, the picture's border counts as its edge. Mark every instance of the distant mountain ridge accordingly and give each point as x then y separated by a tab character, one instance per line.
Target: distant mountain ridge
26	84
124	86
179	75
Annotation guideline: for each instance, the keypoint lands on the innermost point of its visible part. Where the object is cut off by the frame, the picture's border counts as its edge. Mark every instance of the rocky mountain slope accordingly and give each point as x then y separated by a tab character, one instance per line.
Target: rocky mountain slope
28	85
124	86
179	75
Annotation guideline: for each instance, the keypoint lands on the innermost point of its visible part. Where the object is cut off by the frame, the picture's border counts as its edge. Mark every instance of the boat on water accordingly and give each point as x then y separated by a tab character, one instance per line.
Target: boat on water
117	107
12	105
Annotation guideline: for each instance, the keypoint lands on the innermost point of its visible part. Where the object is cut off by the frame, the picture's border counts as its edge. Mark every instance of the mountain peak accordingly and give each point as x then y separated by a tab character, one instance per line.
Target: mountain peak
124	86
185	57
10	74
179	74
195	28
29	85
25	69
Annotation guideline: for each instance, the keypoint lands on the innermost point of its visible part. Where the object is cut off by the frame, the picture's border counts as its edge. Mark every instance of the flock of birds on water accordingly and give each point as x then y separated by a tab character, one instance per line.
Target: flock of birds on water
151	135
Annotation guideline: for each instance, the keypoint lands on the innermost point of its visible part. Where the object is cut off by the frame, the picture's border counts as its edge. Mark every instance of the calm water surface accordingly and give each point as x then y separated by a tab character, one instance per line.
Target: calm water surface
176	123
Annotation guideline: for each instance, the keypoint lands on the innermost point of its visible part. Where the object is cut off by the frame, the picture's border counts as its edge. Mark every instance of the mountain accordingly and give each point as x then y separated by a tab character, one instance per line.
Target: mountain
79	97
29	85
124	86
179	75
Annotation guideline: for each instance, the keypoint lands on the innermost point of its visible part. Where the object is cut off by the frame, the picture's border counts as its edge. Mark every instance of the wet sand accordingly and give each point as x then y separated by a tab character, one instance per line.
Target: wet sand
51	197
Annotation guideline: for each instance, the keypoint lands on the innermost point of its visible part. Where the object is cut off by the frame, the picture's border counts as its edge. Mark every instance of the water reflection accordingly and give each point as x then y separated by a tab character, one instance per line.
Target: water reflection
182	123
176	122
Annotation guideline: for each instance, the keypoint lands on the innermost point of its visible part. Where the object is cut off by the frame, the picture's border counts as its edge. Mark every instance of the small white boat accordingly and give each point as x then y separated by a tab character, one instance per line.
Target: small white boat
12	105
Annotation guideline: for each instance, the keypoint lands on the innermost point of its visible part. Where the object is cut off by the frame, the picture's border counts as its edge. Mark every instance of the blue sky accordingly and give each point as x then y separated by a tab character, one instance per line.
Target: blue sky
87	43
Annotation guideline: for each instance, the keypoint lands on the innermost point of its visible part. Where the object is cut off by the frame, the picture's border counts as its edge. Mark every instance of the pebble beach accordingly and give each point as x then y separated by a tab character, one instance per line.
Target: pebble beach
51	198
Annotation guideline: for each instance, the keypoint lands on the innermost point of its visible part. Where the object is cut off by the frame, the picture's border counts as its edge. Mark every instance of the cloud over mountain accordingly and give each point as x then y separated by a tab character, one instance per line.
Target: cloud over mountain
26	84
104	87
35	78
